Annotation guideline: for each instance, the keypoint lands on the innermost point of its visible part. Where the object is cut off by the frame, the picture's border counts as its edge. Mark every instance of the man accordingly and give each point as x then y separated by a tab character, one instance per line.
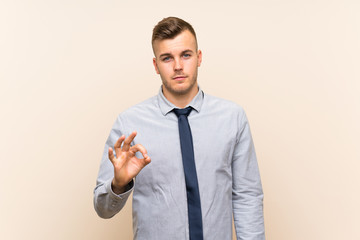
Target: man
193	157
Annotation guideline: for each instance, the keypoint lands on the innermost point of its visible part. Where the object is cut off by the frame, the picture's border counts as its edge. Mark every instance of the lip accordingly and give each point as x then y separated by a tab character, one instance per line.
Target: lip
180	77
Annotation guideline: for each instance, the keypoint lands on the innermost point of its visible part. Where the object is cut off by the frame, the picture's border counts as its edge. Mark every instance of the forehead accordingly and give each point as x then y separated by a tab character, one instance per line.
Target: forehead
184	41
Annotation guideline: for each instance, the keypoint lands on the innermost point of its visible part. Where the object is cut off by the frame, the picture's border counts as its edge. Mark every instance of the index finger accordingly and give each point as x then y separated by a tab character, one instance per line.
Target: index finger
139	148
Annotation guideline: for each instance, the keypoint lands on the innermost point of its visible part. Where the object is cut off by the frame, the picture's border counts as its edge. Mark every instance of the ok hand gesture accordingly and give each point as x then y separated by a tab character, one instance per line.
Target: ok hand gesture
126	164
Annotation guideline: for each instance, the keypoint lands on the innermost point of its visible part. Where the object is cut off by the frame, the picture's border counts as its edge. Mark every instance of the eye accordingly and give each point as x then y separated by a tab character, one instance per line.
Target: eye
166	59
186	55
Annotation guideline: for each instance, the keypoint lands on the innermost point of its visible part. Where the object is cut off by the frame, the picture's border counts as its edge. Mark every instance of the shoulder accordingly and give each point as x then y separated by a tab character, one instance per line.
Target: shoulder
231	114
136	115
137	112
223	105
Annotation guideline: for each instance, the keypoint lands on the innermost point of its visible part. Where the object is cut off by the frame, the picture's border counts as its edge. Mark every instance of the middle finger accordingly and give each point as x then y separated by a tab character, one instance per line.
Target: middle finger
128	140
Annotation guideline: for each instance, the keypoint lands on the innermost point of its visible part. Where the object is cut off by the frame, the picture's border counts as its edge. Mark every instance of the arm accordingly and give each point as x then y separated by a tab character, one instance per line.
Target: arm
115	179
247	190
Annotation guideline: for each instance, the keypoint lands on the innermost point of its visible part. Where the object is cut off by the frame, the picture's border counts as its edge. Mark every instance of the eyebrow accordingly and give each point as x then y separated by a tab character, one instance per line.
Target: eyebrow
169	54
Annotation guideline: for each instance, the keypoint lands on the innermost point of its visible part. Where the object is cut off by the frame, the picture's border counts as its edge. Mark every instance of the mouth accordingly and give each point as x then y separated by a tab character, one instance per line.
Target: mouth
179	77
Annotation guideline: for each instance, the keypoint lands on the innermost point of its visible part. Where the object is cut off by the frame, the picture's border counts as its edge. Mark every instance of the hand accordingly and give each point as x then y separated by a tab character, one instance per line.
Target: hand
126	164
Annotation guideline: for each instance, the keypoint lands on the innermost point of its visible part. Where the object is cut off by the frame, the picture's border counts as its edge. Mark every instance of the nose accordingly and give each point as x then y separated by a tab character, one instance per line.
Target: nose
178	65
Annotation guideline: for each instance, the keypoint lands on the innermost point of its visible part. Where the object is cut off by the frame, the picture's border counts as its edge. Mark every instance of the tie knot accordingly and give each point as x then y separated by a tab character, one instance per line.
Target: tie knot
183	111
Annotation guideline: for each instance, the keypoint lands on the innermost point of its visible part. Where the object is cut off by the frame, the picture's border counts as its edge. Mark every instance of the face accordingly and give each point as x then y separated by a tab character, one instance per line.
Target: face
177	61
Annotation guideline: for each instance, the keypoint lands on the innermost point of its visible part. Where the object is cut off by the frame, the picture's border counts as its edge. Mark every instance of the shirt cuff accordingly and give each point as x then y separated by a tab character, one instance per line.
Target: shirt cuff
128	189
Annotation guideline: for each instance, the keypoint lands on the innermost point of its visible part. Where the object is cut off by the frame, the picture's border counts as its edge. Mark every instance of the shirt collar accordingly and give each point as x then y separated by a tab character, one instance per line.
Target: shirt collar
166	106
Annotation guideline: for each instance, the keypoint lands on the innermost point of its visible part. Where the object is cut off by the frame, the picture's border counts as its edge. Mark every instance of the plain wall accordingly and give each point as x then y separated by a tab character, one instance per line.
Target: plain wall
68	68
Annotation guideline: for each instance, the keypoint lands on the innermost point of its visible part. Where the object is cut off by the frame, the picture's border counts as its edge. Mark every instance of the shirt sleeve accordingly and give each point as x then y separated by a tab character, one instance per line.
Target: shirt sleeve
106	202
247	194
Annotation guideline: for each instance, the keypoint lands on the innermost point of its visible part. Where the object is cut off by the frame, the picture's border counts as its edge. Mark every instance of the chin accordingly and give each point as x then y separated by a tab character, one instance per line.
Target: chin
179	89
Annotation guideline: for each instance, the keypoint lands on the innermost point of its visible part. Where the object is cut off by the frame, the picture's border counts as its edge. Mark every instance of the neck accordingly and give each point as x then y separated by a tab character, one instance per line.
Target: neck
180	100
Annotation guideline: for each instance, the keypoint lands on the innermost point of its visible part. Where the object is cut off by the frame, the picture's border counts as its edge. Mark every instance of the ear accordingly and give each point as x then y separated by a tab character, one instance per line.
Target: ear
155	65
199	56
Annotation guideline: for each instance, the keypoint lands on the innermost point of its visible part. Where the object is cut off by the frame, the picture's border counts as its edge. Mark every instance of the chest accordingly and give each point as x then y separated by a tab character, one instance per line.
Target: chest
214	138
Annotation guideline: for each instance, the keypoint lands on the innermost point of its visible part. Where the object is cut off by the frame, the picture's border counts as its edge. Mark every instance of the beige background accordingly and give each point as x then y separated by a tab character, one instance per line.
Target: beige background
67	68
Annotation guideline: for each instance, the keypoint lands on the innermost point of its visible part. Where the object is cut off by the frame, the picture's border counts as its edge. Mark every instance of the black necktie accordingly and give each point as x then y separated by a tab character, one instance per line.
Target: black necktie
192	187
